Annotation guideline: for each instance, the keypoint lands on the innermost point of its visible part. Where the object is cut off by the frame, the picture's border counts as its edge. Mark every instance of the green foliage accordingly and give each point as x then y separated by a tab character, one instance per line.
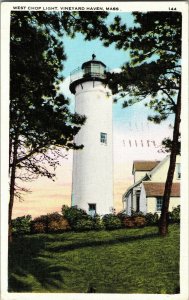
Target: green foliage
122	214
154	71
84	225
34	80
111	221
90	223
73	214
35	75
79	220
21	225
98	223
167	145
152	219
137	214
174	215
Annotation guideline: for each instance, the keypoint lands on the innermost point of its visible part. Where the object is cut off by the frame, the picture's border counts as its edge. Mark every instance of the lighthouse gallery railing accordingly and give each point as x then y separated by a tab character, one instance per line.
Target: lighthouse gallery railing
94	72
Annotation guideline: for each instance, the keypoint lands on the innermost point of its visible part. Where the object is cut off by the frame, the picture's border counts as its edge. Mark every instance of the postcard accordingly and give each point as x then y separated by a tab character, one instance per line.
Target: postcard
94	144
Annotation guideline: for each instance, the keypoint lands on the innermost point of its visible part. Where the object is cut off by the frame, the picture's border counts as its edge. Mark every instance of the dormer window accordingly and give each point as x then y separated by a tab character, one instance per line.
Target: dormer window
103	138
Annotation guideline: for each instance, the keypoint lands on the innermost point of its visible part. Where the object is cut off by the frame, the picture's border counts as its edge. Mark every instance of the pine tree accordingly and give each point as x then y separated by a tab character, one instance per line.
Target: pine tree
154	43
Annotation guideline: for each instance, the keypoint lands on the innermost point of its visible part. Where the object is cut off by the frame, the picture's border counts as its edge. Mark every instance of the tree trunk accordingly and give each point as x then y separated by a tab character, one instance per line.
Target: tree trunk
10	153
12	186
163	224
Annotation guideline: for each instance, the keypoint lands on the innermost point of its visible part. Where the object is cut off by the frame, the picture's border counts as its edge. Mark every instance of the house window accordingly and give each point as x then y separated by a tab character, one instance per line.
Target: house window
103	138
159	203
178	170
92	209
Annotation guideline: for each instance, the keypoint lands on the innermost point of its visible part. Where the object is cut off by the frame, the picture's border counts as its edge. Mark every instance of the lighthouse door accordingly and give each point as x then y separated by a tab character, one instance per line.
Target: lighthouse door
92	209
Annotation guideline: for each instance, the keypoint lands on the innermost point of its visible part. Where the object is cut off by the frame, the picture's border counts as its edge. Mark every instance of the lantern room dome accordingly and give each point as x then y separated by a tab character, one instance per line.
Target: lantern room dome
92	63
93	69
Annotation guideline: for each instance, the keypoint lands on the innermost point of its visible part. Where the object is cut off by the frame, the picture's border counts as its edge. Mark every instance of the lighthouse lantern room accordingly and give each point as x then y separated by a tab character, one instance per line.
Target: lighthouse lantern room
92	182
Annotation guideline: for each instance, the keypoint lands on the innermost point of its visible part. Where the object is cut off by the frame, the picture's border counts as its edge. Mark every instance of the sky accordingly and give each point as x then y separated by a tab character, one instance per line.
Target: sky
134	138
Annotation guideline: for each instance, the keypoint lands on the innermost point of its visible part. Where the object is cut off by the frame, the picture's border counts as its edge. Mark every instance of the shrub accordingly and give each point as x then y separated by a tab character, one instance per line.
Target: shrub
140	221
21	225
122	215
128	222
58	225
151	219
134	221
111	221
73	215
137	213
98	223
39	224
174	215
38	227
84	225
50	223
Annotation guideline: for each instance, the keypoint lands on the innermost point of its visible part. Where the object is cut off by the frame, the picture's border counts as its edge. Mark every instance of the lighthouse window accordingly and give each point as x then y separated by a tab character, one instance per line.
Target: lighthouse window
87	70
92	209
95	68
103	138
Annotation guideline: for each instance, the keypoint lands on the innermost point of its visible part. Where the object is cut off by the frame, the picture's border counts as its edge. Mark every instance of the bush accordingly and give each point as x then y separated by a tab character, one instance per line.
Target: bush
84	225
128	222
58	225
73	215
38	227
50	223
134	221
137	213
39	224
151	219
21	225
98	223
122	215
111	222
174	215
140	221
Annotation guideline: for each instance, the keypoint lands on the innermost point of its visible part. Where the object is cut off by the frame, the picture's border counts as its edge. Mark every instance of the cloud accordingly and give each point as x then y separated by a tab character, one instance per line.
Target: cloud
115	70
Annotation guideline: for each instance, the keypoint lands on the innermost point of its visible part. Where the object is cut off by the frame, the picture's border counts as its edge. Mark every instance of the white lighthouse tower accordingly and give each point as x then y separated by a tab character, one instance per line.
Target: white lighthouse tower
92	187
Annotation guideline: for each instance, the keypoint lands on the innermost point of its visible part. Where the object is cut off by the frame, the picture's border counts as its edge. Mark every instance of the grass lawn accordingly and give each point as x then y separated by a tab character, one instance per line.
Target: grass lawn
119	261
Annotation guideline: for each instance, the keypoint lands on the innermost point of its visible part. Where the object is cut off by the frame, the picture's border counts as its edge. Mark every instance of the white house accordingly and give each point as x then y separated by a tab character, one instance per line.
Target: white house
146	194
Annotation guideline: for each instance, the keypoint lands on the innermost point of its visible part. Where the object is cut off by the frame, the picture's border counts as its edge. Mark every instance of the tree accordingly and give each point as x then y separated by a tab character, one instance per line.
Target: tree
41	124
154	72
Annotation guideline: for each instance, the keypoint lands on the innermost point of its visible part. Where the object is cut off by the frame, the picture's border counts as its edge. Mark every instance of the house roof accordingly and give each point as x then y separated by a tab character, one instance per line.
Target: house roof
144	165
154	189
128	191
